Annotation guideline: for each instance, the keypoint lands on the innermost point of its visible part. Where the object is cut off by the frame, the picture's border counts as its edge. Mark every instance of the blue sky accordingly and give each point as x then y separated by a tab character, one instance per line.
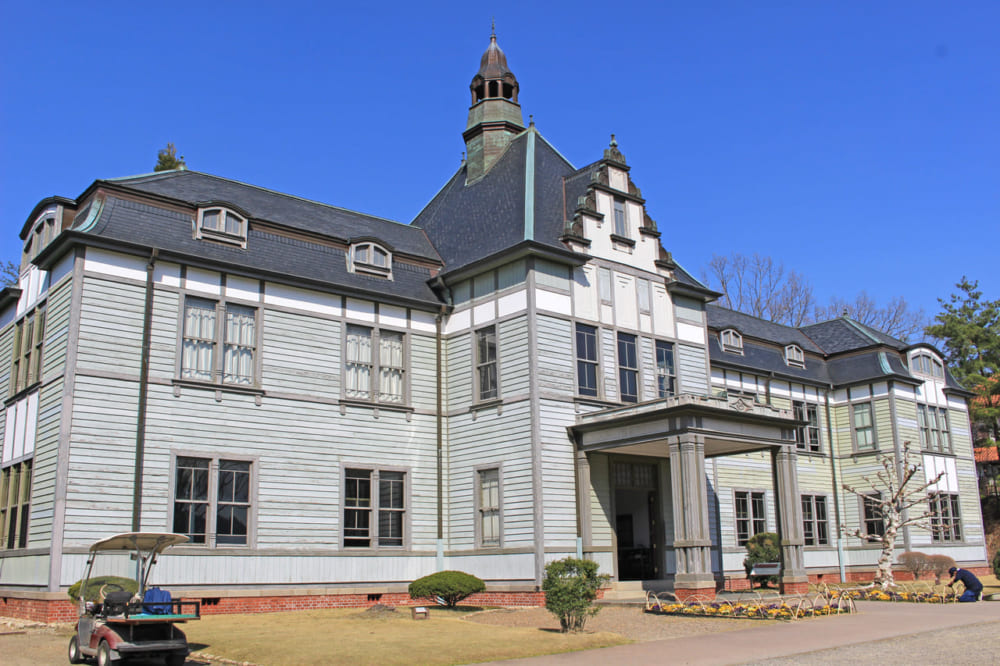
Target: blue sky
856	142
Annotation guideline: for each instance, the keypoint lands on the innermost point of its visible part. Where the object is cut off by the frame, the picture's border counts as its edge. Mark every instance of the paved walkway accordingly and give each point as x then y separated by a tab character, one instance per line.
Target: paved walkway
876	621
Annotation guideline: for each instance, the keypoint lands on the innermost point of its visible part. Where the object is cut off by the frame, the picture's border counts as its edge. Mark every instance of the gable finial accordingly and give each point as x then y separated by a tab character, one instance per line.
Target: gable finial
531	120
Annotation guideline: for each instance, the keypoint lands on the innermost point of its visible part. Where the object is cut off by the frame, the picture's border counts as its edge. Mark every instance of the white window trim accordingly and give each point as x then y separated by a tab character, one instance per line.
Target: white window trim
731	341
205	233
367	267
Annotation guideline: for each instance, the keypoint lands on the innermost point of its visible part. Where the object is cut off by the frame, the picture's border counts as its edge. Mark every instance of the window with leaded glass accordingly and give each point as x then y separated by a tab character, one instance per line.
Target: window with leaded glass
586	360
751	515
628	368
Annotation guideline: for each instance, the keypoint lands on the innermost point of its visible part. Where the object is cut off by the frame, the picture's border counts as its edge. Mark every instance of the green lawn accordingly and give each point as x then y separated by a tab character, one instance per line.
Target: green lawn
353	636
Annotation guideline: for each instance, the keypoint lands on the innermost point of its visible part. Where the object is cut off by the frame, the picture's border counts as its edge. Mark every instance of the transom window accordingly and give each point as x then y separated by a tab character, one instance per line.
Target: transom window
202	337
925	364
731	341
362	364
794	356
374	519
222	224
370	258
751	516
586	360
628	368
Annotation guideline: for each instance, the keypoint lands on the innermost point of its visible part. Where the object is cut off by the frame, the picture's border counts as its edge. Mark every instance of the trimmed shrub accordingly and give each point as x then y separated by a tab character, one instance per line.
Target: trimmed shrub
97	582
451	586
914	562
762	547
570	588
939	565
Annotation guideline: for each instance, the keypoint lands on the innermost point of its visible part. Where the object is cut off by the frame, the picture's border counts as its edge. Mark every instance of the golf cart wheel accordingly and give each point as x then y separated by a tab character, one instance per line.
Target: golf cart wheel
104	655
176	659
75	656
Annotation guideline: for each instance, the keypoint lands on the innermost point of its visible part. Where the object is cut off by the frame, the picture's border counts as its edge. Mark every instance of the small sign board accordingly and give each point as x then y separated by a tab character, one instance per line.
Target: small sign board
419	612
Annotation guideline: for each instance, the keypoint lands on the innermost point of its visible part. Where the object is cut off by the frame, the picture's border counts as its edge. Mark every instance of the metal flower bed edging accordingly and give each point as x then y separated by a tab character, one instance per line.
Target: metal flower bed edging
920	592
752	606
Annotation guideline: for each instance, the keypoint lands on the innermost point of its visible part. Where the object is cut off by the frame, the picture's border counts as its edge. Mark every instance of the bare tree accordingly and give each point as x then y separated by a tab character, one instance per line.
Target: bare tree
894	490
760	287
895	318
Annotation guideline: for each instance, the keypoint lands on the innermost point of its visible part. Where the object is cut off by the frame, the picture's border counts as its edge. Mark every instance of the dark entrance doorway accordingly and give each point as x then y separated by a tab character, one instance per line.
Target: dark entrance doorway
637	521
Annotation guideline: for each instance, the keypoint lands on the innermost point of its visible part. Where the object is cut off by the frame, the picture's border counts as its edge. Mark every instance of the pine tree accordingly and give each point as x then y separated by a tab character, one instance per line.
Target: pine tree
969	328
167	159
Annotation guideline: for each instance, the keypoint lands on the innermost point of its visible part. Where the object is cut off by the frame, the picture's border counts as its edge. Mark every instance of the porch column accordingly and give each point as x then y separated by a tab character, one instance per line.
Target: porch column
692	541
789	513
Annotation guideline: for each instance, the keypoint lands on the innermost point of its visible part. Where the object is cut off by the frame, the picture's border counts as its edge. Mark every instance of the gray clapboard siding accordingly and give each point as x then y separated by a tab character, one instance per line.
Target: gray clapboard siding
647	367
45	462
515	362
609	363
423	372
6	353
301	354
458	354
56	330
110	326
691	370
555	363
165	334
559	493
600	500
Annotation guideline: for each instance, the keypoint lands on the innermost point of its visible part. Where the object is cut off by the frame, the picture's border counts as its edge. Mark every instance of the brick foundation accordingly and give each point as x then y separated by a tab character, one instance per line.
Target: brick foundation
685	593
795	588
38	610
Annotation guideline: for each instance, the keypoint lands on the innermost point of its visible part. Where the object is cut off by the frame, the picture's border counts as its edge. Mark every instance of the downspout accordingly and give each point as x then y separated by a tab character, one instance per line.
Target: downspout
836	491
140	427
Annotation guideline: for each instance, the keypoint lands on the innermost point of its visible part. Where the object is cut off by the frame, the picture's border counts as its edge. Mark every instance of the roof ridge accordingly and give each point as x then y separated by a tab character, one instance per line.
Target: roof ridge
862	330
264	189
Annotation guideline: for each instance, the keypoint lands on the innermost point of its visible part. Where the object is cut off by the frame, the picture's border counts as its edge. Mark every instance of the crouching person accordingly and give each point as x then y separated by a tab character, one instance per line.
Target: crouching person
973	586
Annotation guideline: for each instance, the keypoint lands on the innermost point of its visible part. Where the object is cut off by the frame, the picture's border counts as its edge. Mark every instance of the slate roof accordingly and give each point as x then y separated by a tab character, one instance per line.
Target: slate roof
467	223
193	187
720	318
289	259
843	334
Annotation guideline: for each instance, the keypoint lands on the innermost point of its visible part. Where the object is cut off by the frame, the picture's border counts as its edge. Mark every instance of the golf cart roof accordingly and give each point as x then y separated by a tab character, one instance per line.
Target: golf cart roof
147	542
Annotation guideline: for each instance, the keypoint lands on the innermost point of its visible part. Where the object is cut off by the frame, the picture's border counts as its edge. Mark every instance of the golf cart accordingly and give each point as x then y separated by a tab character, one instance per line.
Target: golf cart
121	624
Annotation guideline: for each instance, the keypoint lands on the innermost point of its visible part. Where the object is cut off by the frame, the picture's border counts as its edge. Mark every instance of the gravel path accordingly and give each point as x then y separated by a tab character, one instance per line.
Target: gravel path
630	622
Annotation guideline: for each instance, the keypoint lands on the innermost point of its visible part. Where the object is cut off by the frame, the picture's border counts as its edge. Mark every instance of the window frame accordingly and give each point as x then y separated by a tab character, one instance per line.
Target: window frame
480	365
795	357
731	341
219	341
927	364
15	504
935	432
946	525
375	509
857	430
26	365
619	213
815	528
376	334
213	501
583	361
480	510
753	520
870	514
356	265
668	371
209	233
624	370
805	435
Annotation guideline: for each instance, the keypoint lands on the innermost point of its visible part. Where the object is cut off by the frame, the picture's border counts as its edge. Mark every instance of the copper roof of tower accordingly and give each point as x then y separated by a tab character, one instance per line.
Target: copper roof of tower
493	64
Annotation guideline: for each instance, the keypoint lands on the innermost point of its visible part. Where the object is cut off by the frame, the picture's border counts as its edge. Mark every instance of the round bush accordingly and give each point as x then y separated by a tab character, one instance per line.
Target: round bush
97	582
570	588
451	586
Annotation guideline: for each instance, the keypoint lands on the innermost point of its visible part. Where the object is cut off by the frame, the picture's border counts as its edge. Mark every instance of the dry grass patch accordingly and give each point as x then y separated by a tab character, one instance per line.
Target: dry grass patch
355	636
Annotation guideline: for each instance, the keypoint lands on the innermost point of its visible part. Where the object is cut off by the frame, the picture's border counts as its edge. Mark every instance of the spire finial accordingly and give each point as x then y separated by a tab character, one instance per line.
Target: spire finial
493	27
531	119
614	144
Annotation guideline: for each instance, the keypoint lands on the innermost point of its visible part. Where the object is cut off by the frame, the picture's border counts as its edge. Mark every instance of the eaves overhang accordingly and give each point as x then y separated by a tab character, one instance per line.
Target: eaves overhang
703	294
527	248
70	239
9	296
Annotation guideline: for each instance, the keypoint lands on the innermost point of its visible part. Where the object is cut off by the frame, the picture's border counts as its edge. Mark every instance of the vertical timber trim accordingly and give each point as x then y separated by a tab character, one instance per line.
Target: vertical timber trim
536	432
66	424
140	425
893	417
529	187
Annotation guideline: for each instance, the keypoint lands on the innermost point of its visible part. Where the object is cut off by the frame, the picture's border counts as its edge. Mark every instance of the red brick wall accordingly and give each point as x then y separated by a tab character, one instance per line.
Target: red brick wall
39	610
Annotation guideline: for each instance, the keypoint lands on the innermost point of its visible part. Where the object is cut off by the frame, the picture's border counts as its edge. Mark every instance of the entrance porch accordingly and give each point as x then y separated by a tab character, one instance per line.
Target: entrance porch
659	509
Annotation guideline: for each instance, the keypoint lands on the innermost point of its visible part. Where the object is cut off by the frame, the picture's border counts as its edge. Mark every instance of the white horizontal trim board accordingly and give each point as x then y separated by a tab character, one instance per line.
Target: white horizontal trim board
934	465
300	299
360	310
202	281
241	288
114	264
553	302
690	333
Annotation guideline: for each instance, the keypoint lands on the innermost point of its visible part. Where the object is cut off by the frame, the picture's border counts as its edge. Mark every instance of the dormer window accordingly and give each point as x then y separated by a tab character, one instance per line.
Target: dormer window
370	258
926	364
794	356
43	232
731	341
222	224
